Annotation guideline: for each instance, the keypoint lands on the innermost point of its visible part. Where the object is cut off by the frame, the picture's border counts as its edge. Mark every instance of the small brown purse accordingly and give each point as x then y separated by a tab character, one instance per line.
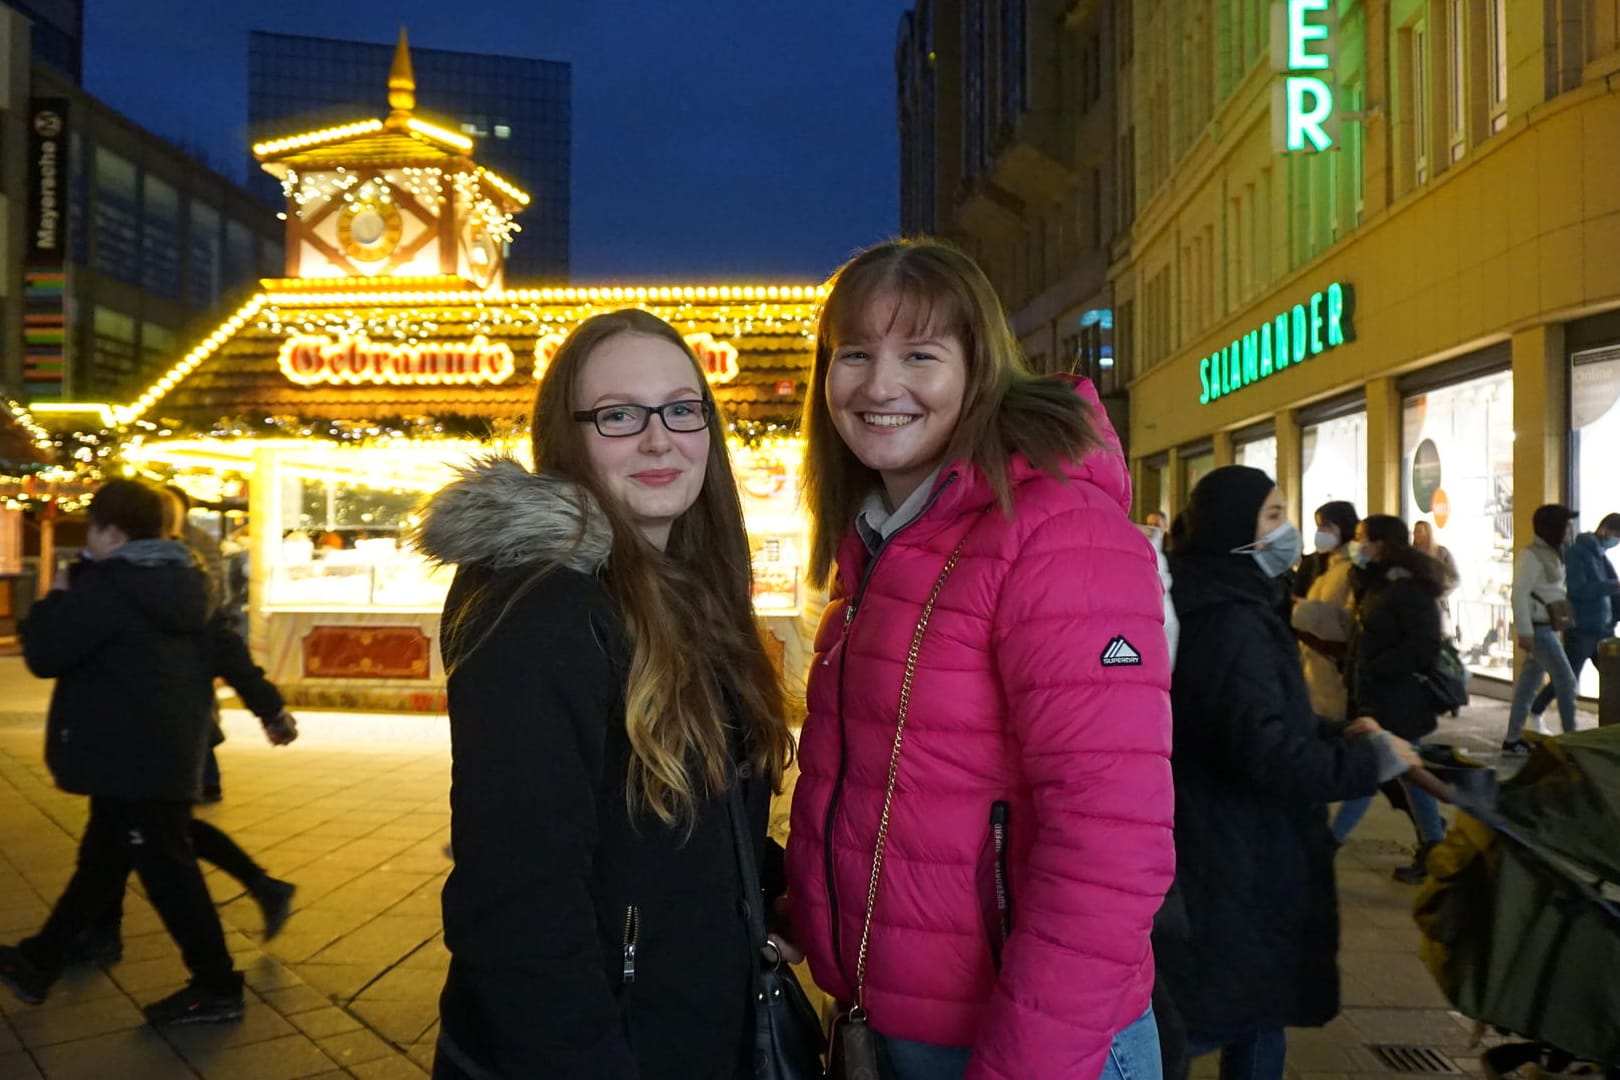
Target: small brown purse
852	1052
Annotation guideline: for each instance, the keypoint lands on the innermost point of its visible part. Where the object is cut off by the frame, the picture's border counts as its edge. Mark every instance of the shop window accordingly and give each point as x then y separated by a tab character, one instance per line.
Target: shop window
1457	474
1194	467
1595	424
1333	463
1258	454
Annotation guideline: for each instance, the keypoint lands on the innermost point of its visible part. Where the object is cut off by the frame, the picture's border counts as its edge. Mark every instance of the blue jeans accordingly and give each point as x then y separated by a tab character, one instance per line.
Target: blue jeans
1257	1056
1547	658
1580	646
1133	1055
1431	827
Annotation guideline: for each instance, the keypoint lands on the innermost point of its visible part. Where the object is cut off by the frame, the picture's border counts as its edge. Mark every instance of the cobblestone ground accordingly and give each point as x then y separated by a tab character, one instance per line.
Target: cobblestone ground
355	814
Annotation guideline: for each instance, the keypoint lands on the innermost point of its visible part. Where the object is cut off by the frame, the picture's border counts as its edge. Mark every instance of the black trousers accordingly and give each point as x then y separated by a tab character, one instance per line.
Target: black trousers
211	845
153	838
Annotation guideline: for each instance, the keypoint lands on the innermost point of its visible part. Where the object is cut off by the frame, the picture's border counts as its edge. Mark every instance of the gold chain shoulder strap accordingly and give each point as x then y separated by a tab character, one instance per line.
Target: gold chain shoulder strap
859	1010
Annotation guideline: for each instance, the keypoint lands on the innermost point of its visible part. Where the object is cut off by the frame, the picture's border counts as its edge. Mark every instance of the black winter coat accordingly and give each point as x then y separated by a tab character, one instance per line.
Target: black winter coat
1254	771
1396	636
555	884
129	648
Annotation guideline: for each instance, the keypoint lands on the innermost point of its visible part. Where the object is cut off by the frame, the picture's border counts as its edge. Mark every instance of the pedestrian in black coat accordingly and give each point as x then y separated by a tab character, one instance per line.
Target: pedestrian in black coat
1248	944
125	635
598	928
1395	637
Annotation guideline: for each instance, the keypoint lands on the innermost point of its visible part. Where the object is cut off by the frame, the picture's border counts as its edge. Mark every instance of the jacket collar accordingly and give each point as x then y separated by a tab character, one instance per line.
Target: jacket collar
501	515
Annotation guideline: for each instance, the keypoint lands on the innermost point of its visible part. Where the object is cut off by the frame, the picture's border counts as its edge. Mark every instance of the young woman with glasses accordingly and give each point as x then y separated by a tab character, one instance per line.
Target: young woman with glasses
608	686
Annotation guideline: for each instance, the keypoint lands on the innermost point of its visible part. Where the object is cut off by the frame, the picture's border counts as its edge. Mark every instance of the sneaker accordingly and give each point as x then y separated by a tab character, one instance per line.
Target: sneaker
1515	748
194	1005
275	901
27	980
102	947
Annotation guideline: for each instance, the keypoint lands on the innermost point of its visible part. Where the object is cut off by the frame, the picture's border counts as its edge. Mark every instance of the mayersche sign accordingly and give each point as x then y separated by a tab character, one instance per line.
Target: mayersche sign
1308	330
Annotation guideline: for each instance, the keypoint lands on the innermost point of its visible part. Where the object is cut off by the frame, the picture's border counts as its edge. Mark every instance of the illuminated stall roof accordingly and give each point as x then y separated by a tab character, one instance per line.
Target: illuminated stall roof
404	353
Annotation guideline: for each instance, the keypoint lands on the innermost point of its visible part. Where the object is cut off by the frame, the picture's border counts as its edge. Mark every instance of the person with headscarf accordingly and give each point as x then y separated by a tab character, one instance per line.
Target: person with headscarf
1541	611
1248	944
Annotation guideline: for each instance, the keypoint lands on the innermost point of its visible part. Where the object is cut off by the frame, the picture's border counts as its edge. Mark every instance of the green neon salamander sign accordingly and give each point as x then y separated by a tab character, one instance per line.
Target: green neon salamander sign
1307	330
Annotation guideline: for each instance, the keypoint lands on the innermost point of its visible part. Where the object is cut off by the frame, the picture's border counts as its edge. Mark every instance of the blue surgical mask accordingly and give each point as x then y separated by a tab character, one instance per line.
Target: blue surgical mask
1358	554
1283	545
1609	542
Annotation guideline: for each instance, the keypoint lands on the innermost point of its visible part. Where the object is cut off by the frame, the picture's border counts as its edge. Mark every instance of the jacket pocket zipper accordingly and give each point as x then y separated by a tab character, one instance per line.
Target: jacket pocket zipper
632	923
1003	887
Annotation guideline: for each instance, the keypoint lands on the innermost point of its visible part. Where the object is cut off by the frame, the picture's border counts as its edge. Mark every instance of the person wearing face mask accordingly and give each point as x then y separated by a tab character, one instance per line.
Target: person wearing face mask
1396	636
1322	618
1256	947
1594	596
1541	609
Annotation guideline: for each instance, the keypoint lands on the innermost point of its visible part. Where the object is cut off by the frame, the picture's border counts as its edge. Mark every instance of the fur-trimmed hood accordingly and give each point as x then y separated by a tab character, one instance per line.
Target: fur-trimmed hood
501	515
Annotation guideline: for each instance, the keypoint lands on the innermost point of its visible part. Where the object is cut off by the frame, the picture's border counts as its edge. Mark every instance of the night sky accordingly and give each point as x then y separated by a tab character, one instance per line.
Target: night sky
714	140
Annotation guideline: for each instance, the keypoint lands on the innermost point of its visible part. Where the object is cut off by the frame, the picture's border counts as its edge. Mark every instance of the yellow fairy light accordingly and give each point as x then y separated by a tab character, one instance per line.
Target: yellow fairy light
505	186
313	138
438	134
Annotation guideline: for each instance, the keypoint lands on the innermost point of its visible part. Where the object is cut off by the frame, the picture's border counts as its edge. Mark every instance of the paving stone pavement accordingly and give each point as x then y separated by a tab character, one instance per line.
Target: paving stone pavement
356	815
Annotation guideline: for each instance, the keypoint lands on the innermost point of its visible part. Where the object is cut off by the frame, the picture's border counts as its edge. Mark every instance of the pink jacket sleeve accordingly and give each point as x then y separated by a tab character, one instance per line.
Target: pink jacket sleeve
1095	745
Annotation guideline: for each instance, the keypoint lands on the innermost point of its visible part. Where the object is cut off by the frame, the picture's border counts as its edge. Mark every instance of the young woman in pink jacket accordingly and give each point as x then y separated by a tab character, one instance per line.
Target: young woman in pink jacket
1025	803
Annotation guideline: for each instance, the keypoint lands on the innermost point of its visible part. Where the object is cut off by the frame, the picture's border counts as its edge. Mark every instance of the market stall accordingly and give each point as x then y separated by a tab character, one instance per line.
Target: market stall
340	395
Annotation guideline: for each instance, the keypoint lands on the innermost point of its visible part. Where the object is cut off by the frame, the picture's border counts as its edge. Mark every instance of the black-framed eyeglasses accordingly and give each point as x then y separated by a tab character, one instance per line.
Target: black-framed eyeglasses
623	420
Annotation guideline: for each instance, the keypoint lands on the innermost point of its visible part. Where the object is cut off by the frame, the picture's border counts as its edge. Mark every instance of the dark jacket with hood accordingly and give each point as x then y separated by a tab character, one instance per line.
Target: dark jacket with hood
129	648
1249	938
1396	636
585	942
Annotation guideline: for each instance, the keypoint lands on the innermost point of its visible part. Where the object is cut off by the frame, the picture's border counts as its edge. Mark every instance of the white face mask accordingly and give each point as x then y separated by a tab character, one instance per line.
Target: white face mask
1326	539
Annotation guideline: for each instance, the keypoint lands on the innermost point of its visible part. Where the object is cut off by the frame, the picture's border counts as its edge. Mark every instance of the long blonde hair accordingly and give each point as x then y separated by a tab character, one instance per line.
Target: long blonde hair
688	609
1006	408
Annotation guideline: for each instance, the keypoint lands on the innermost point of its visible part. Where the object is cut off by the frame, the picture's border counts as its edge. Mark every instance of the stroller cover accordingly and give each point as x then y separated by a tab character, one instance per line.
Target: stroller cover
1521	911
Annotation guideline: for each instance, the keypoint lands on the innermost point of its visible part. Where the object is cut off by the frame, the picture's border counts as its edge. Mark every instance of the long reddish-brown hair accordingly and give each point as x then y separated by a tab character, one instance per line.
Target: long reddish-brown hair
1006	408
688	609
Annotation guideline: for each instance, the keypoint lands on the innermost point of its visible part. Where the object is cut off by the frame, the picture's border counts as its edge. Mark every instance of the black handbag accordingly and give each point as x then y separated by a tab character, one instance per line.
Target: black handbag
788	1041
1446	683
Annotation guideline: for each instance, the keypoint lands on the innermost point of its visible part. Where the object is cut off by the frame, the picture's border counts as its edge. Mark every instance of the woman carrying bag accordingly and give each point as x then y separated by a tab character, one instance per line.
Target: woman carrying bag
1249	943
616	731
1396	641
981	830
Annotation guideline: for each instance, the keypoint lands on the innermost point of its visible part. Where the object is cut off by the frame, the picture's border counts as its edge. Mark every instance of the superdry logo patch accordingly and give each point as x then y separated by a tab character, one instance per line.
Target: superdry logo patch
1120	654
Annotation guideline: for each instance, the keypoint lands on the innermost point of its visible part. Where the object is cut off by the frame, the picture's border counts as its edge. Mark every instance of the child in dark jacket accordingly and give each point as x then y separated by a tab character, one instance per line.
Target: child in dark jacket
125	635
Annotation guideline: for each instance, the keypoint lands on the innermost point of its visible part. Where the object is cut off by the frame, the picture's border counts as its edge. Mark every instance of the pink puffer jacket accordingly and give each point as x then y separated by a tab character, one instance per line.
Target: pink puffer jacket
1026	707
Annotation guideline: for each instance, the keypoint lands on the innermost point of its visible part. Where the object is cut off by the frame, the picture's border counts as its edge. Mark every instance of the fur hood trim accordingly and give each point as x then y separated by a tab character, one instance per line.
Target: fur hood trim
501	515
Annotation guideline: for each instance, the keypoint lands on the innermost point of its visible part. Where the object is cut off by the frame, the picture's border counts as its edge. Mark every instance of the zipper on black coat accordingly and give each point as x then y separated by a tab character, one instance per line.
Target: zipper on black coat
632	924
843	734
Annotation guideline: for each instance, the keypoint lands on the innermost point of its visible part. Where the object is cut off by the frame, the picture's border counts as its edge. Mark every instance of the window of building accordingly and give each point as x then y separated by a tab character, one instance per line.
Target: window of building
1419	83
1333	463
1457	76
160	237
1259	454
1457	474
1496	24
157	348
240	262
203	264
1124	31
1602	30
503	131
117	240
113	349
